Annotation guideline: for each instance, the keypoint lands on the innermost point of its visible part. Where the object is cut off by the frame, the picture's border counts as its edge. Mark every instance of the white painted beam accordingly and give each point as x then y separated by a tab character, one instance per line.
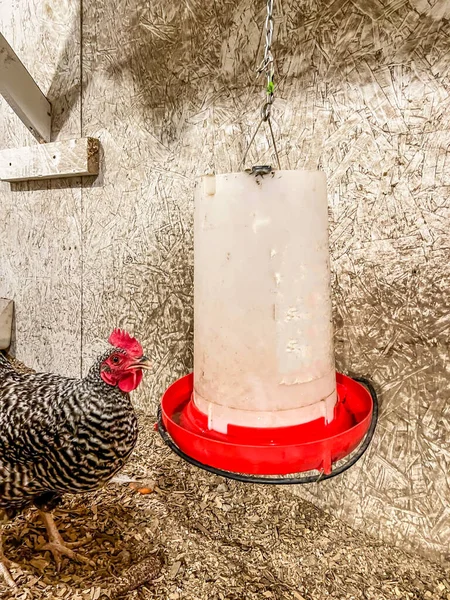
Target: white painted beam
69	158
6	320
23	94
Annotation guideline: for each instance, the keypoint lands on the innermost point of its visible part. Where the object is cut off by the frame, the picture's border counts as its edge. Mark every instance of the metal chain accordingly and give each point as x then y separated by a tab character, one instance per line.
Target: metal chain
267	67
267	62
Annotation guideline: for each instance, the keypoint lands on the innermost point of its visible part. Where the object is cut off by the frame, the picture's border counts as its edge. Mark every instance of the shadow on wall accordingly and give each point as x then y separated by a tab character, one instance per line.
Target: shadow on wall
177	54
174	55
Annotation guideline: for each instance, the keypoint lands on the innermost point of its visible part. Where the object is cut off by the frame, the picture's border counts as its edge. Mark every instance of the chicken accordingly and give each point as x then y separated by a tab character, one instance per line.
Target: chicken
61	435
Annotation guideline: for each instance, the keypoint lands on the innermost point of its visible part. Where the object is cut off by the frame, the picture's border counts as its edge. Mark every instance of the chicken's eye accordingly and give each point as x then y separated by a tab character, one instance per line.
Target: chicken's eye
115	359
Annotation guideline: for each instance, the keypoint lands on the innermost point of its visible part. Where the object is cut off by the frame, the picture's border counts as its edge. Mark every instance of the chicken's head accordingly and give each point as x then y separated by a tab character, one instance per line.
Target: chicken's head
123	365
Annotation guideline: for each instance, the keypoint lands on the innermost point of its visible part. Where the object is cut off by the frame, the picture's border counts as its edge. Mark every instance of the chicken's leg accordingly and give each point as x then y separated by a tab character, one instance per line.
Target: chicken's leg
57	546
4	567
5	564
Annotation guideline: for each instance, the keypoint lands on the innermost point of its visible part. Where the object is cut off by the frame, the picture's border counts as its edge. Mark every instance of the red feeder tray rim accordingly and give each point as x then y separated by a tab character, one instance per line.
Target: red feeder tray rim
244	453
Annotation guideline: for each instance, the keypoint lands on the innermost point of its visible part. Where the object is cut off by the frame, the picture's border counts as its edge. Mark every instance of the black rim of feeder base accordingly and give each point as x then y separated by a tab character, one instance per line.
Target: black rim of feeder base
281	480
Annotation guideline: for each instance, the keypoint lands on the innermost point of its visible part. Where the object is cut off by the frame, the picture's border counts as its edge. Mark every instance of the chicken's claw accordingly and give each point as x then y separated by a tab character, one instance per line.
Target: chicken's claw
62	549
58	547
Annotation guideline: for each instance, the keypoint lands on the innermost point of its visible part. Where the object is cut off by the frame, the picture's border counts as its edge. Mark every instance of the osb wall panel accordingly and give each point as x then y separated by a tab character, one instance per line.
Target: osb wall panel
40	250
363	93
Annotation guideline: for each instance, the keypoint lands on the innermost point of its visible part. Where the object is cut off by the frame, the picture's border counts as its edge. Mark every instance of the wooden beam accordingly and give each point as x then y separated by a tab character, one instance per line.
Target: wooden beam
22	93
70	158
6	320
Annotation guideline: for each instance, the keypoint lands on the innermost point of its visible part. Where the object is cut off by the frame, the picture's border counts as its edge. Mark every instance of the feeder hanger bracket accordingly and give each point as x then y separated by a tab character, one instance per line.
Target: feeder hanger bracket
267	67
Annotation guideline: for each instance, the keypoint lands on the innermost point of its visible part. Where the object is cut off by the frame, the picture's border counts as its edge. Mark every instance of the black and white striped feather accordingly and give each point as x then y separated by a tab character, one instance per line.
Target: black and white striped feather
60	435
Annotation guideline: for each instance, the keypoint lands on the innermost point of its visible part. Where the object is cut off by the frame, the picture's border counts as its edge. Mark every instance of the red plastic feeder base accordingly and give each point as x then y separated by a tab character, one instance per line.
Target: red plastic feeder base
271	451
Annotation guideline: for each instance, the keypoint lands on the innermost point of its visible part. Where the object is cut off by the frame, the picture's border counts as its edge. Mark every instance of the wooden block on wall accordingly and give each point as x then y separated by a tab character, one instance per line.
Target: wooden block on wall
69	158
6	320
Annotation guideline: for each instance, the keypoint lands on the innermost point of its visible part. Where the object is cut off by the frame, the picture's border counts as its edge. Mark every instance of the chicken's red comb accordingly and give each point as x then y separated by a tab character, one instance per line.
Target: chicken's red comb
121	339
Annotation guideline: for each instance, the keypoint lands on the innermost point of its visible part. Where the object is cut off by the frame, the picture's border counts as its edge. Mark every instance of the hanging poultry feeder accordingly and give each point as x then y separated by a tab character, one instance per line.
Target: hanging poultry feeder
264	398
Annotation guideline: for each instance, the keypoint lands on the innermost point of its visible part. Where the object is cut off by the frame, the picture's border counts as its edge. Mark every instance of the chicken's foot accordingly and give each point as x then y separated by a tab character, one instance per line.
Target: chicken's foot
57	546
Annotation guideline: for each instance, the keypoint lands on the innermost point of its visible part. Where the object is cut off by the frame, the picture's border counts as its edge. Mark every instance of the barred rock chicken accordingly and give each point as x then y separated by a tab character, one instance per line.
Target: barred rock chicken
60	435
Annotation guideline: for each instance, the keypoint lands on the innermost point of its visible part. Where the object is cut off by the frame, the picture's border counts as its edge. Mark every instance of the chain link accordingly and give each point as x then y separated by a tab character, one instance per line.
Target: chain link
267	63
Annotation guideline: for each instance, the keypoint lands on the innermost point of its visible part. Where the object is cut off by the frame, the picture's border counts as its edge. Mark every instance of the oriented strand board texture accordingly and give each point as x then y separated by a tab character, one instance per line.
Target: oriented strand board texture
40	232
169	89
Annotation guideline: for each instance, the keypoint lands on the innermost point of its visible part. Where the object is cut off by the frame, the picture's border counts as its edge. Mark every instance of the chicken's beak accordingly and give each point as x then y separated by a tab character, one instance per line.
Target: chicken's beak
142	363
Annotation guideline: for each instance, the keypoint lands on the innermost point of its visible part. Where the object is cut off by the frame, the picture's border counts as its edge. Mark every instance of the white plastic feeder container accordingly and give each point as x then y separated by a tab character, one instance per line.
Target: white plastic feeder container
263	348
